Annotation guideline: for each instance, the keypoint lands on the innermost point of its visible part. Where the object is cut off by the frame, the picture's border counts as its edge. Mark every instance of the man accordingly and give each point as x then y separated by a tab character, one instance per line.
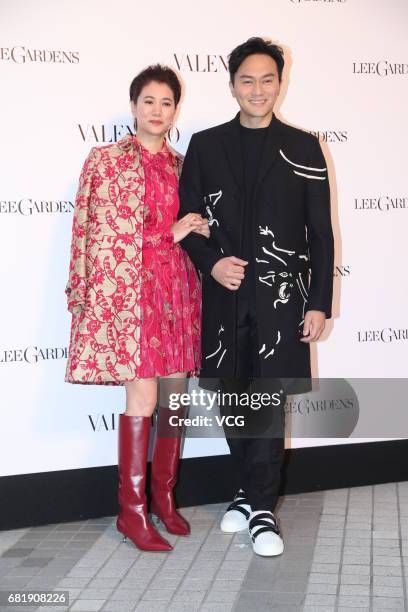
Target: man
267	268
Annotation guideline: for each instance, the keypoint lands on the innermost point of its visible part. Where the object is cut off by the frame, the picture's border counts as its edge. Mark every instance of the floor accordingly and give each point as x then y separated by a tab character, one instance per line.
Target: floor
344	549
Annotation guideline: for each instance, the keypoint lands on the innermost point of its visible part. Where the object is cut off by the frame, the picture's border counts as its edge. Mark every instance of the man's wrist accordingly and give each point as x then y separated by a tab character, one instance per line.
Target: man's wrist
214	261
319	308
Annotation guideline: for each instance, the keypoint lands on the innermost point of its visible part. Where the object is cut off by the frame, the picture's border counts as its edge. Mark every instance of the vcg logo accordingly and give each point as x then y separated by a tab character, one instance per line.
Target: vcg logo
200	63
339	136
104	133
386	335
32	354
23	55
28	206
381	68
381	203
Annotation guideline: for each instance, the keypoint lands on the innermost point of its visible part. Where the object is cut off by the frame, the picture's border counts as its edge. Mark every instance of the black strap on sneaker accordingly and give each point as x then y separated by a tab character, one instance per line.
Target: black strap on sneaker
266	522
236	504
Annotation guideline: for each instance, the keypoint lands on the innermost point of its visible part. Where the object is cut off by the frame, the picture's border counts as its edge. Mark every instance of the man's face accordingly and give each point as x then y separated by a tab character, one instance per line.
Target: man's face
256	87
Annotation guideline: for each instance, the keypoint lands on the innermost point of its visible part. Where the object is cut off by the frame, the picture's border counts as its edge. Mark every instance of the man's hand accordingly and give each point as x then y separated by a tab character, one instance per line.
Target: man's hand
313	326
229	272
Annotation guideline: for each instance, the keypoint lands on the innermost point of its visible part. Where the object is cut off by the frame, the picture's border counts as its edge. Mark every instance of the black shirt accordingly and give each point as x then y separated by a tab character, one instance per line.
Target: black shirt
252	143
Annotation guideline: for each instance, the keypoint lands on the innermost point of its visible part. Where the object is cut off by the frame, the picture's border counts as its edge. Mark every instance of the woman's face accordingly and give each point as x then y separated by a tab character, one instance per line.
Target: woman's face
154	110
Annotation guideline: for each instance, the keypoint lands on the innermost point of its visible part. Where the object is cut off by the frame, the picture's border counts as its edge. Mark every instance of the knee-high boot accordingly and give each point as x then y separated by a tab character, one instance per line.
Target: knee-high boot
164	469
132	520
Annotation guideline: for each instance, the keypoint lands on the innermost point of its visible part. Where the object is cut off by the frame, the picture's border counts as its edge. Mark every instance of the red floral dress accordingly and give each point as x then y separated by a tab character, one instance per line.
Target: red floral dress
170	289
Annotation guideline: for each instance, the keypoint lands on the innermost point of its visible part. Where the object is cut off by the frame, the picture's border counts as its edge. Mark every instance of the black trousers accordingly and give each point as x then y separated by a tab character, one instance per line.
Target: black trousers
257	448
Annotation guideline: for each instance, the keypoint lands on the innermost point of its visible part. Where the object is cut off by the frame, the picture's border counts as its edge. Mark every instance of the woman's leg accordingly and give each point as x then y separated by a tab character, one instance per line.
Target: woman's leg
134	431
166	455
141	397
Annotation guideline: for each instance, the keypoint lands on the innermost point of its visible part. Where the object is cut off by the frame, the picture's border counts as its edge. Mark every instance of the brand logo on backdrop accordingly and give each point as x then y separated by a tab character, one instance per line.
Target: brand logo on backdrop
342	271
386	335
28	206
200	63
381	68
382	203
103	422
23	55
331	410
310	406
91	132
331	136
32	354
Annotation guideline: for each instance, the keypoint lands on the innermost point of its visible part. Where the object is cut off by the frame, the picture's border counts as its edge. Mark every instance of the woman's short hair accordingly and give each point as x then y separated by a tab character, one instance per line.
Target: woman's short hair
159	74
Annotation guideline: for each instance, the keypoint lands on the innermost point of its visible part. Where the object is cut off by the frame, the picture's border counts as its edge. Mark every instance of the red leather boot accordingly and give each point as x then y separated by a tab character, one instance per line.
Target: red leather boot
164	469
132	520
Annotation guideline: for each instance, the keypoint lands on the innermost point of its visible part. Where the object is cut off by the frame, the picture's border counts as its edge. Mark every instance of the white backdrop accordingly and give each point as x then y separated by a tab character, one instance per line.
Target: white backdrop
65	69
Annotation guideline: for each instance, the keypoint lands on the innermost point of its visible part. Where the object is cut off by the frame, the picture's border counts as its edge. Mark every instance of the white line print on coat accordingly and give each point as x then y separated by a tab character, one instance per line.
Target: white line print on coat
283	285
218	349
299	166
280	282
269	278
283	296
265	231
271	352
316	178
212	203
310	168
303	293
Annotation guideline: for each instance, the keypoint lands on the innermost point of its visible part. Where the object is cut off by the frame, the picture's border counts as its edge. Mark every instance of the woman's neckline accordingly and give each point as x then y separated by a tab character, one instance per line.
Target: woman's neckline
163	150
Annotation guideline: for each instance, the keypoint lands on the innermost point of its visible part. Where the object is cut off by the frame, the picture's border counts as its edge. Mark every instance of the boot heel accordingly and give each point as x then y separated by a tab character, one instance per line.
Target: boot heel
122	533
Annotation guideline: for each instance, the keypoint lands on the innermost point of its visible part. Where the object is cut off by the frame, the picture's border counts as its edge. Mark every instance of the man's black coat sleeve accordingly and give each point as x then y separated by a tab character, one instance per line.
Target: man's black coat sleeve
319	236
203	254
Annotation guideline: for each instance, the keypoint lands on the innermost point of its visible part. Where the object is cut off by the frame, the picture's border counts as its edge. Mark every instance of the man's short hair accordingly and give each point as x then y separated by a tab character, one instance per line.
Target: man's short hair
253	46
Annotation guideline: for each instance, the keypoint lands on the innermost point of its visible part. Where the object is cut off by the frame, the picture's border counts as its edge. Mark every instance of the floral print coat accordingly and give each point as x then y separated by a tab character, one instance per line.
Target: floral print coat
105	271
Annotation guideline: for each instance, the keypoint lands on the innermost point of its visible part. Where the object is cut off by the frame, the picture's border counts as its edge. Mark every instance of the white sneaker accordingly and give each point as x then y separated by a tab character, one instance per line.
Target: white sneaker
237	514
265	535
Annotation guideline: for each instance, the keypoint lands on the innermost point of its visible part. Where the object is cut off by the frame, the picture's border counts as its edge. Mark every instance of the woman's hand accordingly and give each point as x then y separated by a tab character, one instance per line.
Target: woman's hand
203	229
192	222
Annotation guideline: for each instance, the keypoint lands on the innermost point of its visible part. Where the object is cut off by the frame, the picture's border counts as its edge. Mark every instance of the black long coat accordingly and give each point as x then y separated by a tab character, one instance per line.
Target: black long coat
293	244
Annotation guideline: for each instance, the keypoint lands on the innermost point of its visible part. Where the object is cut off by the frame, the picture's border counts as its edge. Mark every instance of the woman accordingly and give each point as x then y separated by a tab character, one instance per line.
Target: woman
135	296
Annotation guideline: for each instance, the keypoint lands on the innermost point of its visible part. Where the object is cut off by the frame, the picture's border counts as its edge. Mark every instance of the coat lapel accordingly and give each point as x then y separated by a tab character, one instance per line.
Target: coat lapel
273	143
232	146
